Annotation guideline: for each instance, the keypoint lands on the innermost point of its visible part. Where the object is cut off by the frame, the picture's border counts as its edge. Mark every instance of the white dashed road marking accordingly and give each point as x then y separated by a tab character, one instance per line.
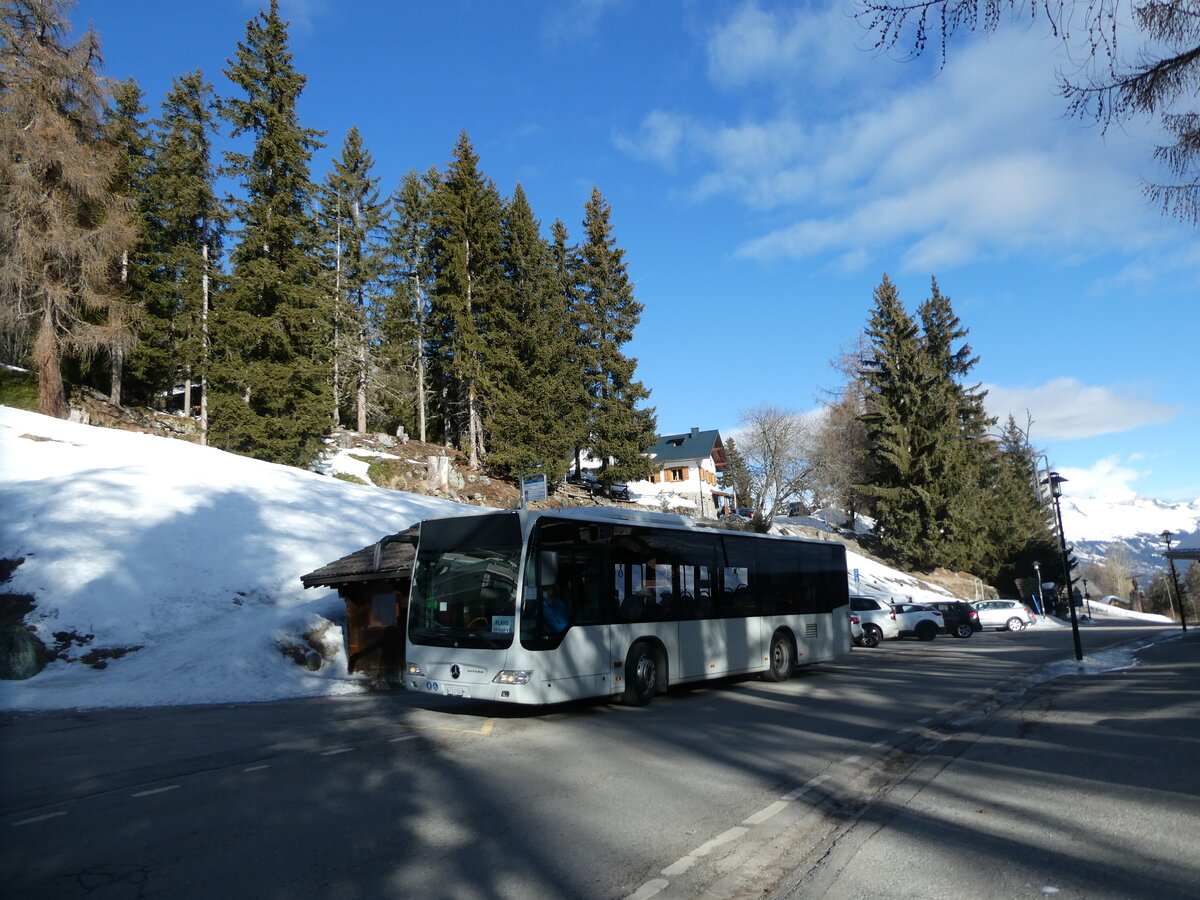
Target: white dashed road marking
39	818
161	790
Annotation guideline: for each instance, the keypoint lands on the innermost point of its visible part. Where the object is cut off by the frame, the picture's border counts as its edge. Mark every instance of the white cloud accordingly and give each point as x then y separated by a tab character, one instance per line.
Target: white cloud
576	20
659	139
793	50
882	157
1067	409
1107	478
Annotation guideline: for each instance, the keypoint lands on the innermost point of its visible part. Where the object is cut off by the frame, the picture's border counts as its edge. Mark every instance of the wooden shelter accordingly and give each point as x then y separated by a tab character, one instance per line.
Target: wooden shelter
374	583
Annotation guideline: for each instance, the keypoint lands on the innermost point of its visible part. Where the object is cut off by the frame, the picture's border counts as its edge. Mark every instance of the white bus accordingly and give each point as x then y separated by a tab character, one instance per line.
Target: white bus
546	606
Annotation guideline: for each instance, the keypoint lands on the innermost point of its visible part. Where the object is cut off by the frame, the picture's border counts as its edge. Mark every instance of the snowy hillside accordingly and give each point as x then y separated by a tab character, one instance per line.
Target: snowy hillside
193	556
1093	524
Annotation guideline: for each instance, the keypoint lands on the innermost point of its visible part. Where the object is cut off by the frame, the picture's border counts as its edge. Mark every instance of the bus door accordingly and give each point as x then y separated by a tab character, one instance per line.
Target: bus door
736	622
700	650
563	613
645	597
681	566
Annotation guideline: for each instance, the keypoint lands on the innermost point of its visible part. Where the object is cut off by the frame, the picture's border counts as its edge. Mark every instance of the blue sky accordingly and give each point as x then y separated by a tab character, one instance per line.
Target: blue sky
765	169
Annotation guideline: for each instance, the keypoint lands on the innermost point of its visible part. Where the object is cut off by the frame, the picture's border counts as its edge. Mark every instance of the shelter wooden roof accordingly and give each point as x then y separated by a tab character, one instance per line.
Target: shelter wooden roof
389	557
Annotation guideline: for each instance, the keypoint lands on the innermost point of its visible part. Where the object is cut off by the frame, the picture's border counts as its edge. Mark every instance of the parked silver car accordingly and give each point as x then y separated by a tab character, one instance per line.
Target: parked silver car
1011	614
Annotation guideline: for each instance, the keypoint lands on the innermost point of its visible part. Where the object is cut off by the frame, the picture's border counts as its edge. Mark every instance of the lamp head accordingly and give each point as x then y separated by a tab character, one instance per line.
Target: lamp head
1055	481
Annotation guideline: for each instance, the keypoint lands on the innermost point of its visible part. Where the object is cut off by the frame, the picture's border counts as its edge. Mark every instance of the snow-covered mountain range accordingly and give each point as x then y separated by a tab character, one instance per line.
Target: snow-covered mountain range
1093	525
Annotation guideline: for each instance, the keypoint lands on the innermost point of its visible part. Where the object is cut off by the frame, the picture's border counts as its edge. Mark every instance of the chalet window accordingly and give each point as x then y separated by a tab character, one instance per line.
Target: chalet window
677	474
383	610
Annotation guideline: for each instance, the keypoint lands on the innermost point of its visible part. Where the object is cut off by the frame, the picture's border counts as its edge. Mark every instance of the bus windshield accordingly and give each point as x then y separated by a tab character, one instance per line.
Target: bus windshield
464	582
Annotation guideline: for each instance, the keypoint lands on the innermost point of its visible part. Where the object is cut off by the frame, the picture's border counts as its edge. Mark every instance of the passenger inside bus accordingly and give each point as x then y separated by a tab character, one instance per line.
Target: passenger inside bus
554	611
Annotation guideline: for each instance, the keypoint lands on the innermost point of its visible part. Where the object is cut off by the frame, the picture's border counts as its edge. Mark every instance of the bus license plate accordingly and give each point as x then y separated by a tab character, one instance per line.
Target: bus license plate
455	690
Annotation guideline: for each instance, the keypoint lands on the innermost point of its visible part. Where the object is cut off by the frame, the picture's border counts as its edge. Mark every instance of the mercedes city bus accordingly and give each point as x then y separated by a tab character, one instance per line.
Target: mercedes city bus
546	606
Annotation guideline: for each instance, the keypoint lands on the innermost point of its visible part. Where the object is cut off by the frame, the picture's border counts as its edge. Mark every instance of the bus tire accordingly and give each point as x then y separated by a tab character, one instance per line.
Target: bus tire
782	659
641	675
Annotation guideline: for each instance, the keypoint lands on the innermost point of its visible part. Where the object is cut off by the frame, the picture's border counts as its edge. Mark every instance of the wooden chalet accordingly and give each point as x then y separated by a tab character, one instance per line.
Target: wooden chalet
374	583
690	465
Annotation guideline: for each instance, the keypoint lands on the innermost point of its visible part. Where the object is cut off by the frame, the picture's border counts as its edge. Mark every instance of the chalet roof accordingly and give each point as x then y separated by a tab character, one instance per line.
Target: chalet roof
389	557
696	444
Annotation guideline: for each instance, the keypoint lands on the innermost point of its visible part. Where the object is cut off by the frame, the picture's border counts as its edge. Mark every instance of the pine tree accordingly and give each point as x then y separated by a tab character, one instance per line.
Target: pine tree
270	378
961	458
896	382
736	477
619	431
186	226
62	229
408	274
533	379
580	366
125	130
1018	529
351	215
465	248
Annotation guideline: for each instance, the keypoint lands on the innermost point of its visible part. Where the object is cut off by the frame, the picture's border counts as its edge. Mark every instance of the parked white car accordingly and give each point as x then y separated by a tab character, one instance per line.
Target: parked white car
917	619
876	617
1011	614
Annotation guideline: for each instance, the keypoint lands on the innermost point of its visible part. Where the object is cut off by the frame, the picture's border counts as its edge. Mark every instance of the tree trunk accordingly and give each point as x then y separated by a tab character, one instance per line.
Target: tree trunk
362	375
204	347
337	307
419	321
475	427
117	355
46	352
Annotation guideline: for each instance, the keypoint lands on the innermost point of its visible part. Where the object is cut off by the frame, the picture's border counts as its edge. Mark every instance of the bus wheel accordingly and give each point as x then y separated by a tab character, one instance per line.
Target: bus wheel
782	659
641	675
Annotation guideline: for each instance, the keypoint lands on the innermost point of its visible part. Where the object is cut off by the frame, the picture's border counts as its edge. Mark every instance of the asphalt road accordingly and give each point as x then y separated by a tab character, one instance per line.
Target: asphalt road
735	789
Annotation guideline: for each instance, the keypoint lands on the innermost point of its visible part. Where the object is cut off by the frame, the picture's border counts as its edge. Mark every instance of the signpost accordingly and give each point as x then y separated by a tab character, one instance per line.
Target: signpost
533	487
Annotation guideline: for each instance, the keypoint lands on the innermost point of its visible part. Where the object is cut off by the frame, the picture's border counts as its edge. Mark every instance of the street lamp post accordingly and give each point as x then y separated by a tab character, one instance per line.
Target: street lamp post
1054	480
1037	570
1175	579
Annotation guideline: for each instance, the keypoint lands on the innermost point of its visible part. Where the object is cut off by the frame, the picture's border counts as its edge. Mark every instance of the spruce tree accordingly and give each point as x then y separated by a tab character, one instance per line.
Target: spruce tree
581	359
270	376
126	132
186	224
351	216
62	228
466	247
897	383
1019	528
736	477
403	351
533	377
961	458
620	430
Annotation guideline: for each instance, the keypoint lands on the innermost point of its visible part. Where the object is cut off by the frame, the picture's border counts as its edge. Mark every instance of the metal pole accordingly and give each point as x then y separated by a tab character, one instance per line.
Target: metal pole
1175	579
1056	491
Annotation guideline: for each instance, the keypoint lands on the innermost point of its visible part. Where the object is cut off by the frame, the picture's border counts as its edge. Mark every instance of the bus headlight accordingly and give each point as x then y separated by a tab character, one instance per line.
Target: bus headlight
513	676
414	669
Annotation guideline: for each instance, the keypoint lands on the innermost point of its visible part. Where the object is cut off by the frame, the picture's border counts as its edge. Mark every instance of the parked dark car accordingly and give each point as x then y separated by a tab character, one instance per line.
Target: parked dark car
959	618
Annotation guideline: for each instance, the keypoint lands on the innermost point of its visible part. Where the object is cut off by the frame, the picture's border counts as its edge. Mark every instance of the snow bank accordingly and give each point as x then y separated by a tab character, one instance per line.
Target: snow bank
189	553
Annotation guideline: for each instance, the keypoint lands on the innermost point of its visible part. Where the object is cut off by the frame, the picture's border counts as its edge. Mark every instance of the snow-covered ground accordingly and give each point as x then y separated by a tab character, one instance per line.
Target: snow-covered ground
194	556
